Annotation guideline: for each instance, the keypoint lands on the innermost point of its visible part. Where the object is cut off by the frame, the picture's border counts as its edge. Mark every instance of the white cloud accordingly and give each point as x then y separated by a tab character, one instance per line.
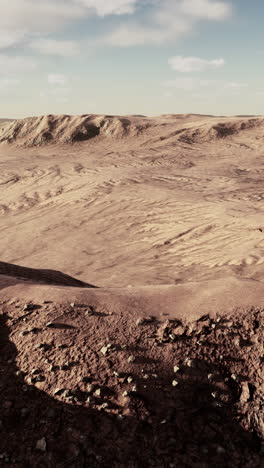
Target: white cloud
57	79
55	47
23	21
110	7
26	18
15	64
206	9
193	64
166	21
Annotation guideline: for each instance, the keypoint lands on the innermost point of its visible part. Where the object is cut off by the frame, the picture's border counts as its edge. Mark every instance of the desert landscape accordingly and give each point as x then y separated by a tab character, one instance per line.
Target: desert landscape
131	279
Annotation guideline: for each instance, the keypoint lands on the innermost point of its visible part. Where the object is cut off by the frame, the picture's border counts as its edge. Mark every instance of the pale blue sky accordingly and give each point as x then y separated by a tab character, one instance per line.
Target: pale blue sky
131	57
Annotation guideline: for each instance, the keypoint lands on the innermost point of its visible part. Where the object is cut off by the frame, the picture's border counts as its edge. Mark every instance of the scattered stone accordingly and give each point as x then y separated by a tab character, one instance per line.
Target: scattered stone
175	383
220	450
24	333
104	405
28	307
62	346
130	379
98	392
176	369
236	341
53	368
90	388
188	362
44	346
145	376
179	330
41	444
131	358
125	394
89	312
104	350
140	321
50	325
58	391
134	389
233	376
210	377
245	393
35	371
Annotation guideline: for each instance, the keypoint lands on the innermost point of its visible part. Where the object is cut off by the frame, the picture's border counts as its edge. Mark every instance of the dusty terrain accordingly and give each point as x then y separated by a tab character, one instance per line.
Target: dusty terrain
150	201
152	355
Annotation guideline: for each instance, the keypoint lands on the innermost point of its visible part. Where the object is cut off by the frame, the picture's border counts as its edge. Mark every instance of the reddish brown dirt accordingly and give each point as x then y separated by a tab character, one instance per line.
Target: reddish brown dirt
211	416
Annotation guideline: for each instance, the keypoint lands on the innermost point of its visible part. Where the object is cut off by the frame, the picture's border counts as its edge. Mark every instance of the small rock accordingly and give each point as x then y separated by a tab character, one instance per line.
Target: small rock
97	392
53	368
175	383
176	369
41	444
104	405
245	393
188	362
62	346
140	321
220	450
125	393
236	341
35	371
134	389
49	324
131	359
104	350
145	376
130	379
58	391
90	388
24	333
210	376
89	312
72	304
28	307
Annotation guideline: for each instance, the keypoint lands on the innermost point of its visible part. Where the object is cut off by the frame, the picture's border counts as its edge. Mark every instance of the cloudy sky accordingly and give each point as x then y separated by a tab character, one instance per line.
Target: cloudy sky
131	57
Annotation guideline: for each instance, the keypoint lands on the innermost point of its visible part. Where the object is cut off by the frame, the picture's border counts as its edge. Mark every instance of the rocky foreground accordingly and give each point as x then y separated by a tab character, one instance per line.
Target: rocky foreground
82	387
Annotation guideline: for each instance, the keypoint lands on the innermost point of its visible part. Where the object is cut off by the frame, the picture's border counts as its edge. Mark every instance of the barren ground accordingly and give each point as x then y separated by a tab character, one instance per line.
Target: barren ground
162	365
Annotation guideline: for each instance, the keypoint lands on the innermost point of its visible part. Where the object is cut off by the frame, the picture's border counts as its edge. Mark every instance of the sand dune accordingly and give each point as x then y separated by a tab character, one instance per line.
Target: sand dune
160	200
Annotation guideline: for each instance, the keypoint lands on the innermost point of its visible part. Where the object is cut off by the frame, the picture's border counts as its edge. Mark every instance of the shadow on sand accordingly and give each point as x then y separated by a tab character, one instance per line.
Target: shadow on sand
194	431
